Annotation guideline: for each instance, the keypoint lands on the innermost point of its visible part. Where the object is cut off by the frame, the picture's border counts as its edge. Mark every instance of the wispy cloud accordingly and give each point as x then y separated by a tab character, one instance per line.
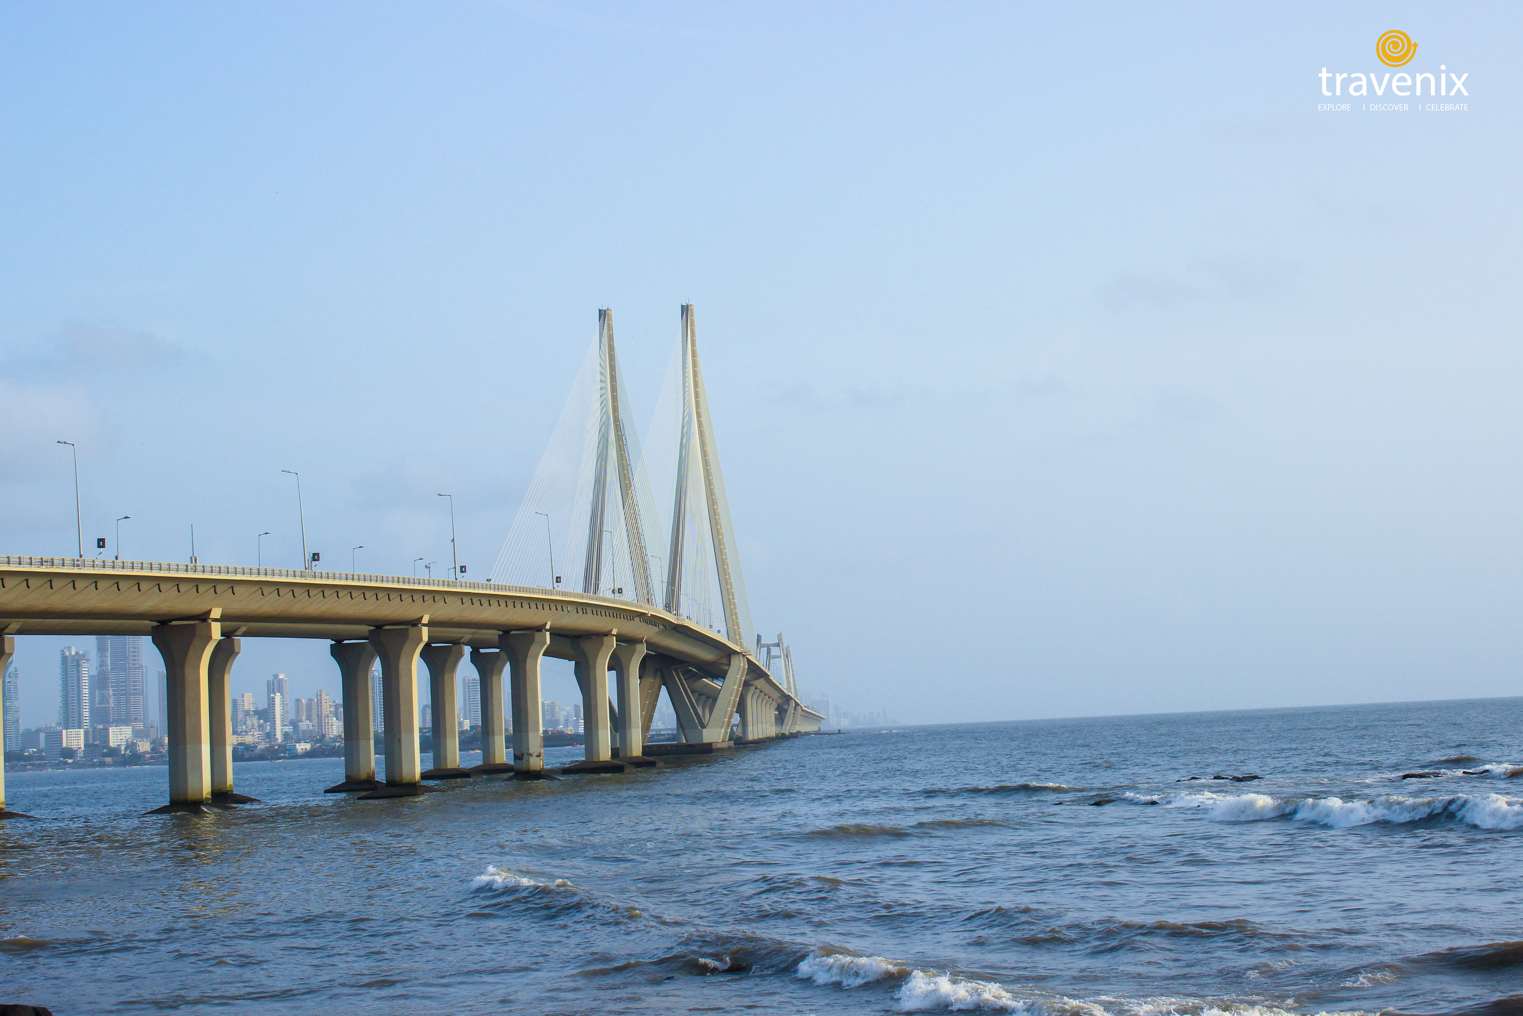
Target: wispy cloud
81	348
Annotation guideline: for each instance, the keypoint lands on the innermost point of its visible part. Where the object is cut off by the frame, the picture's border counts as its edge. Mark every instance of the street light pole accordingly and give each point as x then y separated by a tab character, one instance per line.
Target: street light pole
259	548
430	568
453	553
119	522
415	566
551	544
79	526
301	515
354	557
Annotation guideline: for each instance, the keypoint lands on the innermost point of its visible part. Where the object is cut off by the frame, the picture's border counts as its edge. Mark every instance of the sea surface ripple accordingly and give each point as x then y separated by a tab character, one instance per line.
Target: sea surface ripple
1314	860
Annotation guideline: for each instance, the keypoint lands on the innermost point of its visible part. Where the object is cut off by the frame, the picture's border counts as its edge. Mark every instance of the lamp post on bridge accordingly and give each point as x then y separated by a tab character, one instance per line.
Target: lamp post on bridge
453	553
301	515
354	557
259	548
79	526
430	568
550	542
415	566
119	521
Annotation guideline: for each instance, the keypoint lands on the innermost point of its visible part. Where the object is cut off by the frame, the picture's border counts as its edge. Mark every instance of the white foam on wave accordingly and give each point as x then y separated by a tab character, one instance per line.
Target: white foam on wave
924	991
847	970
1482	811
501	878
932	991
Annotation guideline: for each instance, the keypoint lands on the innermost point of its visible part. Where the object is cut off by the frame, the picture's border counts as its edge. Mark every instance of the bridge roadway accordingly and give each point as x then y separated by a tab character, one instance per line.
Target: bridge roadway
197	614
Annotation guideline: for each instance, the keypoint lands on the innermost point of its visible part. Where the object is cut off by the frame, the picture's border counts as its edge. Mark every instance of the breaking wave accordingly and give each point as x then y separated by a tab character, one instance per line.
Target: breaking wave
917	990
1481	811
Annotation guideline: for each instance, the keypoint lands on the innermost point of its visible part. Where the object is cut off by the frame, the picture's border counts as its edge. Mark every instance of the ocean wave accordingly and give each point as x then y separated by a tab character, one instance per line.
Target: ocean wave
853	830
1002	789
867	830
1491	956
847	970
1482	811
501	878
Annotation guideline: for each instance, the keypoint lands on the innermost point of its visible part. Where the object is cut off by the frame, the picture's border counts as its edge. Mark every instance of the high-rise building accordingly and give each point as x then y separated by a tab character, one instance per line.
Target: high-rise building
377	700
470	716
322	711
428	716
73	689
278	682
12	718
243	712
277	717
119	679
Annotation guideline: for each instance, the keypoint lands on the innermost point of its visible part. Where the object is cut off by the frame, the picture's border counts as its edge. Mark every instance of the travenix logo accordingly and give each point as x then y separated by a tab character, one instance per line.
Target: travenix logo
1395	48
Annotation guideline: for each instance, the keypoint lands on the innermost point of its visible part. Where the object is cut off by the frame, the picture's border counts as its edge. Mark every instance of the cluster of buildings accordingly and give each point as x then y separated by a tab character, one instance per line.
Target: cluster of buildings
101	704
102	710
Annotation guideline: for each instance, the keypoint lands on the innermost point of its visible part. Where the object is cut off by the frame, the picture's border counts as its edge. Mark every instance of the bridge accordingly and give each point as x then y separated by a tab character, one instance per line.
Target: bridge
649	637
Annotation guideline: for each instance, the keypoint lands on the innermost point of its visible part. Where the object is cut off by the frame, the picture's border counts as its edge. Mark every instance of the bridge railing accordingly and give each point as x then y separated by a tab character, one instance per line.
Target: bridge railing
104	564
243	571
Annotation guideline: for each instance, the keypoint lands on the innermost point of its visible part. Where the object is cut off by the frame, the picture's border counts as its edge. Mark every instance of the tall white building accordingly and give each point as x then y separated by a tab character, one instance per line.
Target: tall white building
470	716
377	713
277	717
73	689
12	718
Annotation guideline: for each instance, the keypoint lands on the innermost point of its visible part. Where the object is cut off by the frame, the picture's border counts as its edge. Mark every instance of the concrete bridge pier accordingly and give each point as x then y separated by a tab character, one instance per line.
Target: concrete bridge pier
355	661
592	655
442	662
219	708
7	652
627	659
525	650
398	648
186	647
489	664
650	696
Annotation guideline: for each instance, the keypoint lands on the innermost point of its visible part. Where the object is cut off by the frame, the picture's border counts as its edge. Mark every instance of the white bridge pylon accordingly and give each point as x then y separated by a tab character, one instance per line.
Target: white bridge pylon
588	520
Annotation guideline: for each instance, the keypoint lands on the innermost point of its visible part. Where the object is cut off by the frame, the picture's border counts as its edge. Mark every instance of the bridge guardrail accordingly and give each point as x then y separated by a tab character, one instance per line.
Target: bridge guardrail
373	578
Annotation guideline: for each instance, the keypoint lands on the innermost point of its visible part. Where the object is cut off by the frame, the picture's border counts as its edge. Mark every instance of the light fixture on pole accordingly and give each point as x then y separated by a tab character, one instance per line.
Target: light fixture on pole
259	548
354	557
415	566
79	526
119	521
430	568
301	515
453	553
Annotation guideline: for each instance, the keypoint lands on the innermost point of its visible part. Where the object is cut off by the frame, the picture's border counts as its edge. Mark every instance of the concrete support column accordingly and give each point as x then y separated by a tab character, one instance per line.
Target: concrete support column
355	661
186	647
750	715
489	664
717	729
592	656
442	662
684	704
650	696
7	653
219	714
398	649
627	660
525	649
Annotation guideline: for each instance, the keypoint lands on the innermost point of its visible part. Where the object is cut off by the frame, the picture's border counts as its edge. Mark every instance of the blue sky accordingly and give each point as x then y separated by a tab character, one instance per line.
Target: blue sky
1064	359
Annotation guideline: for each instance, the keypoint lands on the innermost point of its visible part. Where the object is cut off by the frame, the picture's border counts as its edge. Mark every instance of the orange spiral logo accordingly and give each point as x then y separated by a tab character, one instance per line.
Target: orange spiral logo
1395	48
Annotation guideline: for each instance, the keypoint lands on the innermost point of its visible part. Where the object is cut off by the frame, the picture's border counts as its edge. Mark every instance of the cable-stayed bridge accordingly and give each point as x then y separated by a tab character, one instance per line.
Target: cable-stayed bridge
594	570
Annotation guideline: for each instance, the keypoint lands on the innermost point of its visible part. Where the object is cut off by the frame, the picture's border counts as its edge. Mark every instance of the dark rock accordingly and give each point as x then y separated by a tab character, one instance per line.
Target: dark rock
1422	774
